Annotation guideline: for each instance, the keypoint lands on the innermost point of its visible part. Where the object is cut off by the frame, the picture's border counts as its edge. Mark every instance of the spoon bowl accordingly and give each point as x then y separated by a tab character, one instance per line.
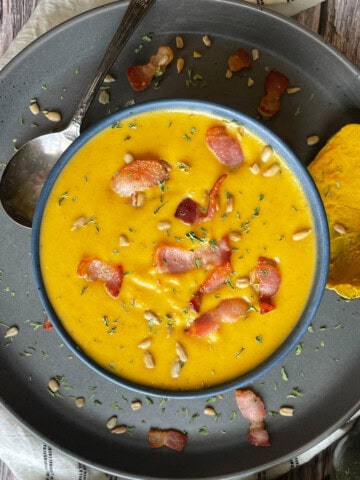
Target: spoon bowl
26	172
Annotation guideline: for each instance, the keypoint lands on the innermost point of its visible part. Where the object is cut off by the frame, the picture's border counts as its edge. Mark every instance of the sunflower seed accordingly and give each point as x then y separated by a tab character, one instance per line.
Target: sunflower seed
175	368
273	170
339	228
11	332
148	360
301	234
111	423
182	353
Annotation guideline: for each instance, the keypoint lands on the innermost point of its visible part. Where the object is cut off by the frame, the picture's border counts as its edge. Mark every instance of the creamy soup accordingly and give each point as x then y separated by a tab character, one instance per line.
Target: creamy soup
177	249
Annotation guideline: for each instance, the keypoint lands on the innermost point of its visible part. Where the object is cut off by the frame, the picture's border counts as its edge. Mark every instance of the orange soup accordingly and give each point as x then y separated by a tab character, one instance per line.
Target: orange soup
177	249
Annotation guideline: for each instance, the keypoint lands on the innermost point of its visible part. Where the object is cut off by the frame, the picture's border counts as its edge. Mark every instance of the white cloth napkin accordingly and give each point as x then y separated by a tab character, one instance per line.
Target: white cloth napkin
28	457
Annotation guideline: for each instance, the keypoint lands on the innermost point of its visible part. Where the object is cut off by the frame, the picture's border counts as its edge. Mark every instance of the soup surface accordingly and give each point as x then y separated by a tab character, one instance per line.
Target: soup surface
171	263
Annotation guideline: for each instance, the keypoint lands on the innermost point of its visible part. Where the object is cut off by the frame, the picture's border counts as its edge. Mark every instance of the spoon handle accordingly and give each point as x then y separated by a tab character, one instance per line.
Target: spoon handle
131	19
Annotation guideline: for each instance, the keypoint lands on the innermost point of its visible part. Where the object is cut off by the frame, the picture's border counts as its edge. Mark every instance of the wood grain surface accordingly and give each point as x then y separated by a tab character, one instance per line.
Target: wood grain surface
338	21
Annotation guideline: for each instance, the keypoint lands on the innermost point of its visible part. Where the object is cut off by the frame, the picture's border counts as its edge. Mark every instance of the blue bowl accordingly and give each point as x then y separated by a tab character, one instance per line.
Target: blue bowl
320	226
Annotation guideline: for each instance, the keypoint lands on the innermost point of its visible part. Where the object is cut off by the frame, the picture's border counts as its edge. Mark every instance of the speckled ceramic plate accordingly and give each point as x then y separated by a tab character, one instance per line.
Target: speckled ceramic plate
317	379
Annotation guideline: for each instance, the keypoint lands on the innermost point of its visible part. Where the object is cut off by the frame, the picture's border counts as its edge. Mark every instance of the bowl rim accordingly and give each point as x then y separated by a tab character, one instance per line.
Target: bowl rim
302	176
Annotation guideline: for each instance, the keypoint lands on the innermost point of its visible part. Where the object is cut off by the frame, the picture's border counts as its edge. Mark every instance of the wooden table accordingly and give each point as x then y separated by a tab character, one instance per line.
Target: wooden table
338	21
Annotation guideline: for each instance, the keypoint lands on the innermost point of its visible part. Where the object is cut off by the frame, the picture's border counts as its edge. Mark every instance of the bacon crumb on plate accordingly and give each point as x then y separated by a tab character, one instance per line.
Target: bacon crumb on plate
47	325
241	59
252	408
141	76
171	438
276	84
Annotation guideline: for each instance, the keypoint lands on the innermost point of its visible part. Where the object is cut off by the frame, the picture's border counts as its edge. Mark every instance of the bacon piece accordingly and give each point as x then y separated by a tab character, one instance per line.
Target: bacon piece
140	76
170	438
215	280
269	278
47	325
252	408
241	59
173	259
269	106
190	212
226	148
276	84
94	269
227	311
139	175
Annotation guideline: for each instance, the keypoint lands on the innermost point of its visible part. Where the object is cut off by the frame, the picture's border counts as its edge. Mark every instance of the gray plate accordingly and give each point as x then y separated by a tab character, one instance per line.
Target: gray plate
54	70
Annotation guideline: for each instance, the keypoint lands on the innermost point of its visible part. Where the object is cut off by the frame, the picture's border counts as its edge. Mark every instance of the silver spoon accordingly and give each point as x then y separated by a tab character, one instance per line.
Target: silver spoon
27	170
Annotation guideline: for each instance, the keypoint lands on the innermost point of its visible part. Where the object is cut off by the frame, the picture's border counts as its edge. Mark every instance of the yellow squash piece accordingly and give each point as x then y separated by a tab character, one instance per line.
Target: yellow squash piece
336	172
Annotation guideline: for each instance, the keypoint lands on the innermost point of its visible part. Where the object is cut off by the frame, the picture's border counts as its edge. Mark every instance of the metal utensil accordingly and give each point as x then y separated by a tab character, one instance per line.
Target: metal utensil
26	172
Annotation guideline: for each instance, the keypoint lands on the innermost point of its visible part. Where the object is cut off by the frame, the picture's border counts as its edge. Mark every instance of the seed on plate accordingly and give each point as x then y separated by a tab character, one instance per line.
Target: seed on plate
196	54
136	405
53	385
182	353
145	344
148	360
151	316
228	73
255	168
80	402
339	228
312	140
206	40
109	78
271	171
11	332
34	108
250	82
104	97
179	42
52	116
128	158
111	423
175	368
210	411
292	90
242	282
119	429
234	236
266	153
301	234
229	204
180	64
164	225
255	54
123	241
286	411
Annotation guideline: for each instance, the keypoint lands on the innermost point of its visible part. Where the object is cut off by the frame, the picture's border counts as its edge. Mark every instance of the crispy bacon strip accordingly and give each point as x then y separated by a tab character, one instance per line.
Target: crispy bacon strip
139	175
140	76
269	278
216	279
170	438
190	212
252	408
227	311
226	148
94	269
241	59
276	84
174	259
